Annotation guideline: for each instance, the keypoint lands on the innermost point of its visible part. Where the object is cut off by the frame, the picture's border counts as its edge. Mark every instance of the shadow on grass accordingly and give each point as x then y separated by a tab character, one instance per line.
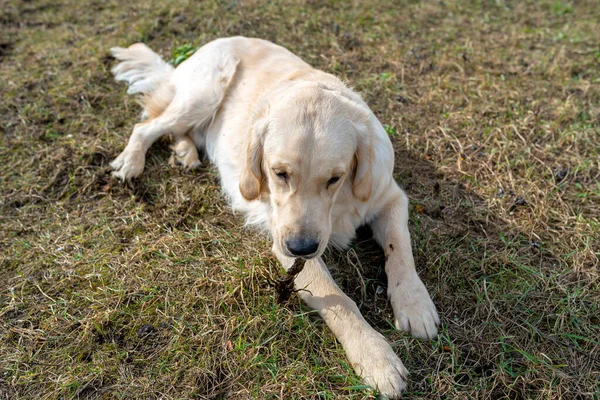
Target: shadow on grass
504	301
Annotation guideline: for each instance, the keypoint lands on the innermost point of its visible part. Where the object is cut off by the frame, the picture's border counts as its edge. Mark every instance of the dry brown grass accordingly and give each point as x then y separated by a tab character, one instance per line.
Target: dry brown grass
153	290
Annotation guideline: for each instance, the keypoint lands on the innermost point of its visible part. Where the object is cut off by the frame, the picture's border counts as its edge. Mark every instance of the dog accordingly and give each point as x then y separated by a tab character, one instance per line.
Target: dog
304	158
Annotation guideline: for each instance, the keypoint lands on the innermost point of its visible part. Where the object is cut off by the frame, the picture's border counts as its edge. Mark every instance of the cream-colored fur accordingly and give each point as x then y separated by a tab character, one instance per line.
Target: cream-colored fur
304	158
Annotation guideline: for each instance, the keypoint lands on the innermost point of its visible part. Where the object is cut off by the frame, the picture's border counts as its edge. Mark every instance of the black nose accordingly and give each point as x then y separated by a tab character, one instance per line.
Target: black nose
301	246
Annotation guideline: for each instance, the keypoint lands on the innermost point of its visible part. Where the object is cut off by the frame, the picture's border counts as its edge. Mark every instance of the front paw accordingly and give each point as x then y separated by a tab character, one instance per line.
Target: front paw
374	360
129	164
414	312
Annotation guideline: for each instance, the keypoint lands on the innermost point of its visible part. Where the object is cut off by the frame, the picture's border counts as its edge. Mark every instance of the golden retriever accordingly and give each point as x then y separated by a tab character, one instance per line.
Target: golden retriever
303	157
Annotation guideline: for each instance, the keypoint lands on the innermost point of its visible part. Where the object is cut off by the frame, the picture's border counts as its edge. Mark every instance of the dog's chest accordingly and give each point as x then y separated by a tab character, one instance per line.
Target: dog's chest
346	217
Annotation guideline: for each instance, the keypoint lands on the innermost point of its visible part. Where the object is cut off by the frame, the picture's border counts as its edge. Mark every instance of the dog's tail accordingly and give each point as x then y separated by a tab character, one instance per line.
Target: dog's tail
146	73
142	69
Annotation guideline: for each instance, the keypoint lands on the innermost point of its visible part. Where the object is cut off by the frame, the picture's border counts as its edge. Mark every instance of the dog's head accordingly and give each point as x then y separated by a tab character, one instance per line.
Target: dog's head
305	146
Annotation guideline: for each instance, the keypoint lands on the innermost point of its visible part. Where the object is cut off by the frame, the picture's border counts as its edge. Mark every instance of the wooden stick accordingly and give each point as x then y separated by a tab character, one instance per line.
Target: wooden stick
285	284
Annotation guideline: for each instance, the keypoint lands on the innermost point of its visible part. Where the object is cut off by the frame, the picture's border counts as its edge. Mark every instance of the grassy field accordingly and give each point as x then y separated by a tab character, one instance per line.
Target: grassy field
154	289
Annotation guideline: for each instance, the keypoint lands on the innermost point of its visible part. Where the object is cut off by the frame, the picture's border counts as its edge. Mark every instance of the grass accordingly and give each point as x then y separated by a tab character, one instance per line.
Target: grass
154	290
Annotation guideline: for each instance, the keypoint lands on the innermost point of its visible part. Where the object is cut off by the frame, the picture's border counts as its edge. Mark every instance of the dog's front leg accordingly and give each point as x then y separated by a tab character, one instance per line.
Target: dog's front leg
369	353
414	311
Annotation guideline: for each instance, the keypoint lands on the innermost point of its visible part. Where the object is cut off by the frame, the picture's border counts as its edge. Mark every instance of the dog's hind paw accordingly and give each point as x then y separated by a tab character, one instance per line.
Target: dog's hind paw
185	156
128	165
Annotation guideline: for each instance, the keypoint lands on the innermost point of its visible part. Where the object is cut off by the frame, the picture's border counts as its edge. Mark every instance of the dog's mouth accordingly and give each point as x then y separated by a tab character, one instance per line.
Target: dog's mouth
308	257
304	257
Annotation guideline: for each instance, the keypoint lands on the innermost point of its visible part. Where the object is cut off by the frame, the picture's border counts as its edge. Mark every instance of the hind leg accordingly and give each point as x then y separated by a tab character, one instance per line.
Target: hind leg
185	153
199	88
130	163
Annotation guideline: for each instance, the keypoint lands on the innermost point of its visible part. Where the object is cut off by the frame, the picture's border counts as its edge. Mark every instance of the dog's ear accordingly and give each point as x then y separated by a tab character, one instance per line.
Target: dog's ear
362	164
363	161
252	177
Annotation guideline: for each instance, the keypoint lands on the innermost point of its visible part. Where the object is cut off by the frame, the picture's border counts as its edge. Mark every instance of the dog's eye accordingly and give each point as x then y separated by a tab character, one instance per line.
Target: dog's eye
333	180
282	174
